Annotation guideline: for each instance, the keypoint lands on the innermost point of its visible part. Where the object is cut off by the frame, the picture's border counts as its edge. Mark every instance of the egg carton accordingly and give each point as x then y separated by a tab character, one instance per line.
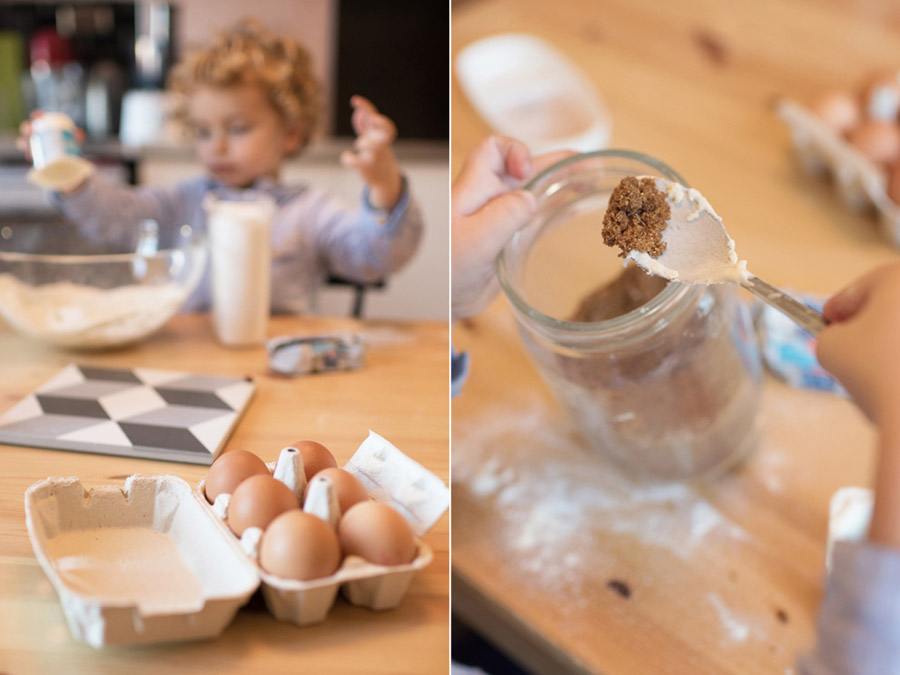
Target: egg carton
152	561
390	477
861	183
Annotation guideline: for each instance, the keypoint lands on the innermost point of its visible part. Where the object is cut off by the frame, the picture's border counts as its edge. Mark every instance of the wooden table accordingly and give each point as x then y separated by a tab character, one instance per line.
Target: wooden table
401	394
546	544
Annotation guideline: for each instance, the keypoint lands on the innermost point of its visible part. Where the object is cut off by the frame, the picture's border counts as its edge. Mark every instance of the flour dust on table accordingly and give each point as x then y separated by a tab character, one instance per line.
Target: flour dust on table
569	524
154	414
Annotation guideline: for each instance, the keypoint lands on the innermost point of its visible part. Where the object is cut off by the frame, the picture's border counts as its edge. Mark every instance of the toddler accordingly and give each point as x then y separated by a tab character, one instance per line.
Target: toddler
250	101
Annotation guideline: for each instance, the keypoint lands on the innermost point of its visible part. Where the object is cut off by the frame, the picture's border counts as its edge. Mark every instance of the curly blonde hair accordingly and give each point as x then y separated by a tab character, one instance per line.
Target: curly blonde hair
249	53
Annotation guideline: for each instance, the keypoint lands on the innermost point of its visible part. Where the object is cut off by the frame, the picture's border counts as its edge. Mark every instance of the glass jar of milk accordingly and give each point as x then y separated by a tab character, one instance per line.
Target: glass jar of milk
239	225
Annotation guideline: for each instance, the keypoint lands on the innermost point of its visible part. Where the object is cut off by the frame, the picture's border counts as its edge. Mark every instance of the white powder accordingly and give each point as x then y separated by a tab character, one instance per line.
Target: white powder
737	631
568	489
563	509
75	315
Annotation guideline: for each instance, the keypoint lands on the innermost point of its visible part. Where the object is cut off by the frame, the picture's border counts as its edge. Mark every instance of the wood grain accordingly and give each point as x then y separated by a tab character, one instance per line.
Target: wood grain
728	578
401	394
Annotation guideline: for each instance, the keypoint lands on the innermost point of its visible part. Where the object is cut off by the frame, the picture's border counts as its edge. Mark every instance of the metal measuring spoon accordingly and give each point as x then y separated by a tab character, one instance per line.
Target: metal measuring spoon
699	250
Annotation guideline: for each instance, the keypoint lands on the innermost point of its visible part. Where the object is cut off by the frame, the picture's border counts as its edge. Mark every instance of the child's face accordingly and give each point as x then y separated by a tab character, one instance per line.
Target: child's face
238	134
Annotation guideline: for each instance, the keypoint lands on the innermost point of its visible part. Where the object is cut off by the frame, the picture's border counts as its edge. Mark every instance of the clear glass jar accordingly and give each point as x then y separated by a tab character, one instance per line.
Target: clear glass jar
670	389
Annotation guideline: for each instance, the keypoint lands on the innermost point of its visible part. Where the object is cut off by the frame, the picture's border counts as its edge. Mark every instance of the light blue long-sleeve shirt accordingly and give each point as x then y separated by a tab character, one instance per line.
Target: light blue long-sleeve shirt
858	631
312	234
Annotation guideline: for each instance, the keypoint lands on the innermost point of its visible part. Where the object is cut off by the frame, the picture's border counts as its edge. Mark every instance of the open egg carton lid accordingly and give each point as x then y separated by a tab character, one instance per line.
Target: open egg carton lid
860	182
152	562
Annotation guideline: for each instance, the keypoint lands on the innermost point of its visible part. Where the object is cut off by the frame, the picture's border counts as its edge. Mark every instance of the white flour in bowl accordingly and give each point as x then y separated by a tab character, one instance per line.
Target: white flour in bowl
74	315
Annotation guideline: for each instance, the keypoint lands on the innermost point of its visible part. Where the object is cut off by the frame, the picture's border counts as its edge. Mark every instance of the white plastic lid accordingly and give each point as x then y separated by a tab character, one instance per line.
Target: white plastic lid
527	89
52	120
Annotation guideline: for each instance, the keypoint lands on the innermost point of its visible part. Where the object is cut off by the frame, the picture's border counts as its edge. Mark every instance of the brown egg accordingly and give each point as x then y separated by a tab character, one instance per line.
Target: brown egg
257	501
838	109
347	487
879	141
298	545
378	533
227	472
315	457
881	97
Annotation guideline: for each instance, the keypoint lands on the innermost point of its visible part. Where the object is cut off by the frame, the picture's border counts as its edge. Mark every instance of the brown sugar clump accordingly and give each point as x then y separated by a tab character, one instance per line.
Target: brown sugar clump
631	289
636	217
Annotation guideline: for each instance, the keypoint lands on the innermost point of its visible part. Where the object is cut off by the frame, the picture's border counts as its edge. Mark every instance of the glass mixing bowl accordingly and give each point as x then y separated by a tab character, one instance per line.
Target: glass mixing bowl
64	287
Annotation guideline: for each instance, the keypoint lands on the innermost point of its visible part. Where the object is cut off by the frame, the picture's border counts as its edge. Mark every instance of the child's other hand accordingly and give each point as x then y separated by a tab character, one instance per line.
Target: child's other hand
374	157
861	346
487	207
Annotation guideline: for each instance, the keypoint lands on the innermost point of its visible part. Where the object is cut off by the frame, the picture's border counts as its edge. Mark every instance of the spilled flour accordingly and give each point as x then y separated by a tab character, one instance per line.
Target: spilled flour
569	520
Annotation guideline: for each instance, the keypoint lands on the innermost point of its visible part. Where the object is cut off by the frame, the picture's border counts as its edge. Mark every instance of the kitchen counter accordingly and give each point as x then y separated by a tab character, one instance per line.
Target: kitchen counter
320	150
556	561
400	394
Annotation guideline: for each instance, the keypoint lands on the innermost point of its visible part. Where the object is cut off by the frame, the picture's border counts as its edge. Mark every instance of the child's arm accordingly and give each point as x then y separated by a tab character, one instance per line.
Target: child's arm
113	211
109	210
858	630
374	158
362	244
861	348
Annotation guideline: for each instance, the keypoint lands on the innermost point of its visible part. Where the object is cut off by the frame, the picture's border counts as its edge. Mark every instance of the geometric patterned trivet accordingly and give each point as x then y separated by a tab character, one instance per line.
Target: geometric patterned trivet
155	414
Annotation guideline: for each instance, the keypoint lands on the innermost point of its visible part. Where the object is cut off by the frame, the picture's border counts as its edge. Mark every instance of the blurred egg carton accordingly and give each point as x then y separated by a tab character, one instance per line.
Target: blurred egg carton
389	477
861	183
152	562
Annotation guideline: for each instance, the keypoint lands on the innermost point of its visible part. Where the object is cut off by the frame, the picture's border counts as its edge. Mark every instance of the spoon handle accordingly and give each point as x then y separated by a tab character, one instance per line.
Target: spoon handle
805	317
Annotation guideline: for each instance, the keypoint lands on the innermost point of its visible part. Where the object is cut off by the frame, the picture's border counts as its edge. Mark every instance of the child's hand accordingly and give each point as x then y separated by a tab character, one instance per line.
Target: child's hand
861	347
23	142
374	157
486	209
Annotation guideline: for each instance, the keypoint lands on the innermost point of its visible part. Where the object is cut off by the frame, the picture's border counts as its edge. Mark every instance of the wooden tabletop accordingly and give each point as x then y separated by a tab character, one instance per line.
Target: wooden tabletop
556	560
400	394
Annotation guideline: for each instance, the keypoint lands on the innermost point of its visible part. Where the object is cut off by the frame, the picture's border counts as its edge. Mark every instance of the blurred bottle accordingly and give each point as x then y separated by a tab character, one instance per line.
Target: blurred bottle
12	103
152	43
103	99
144	109
57	79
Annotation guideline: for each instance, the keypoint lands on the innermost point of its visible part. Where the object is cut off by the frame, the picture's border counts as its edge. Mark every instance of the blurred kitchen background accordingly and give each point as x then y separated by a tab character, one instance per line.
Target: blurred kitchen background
105	63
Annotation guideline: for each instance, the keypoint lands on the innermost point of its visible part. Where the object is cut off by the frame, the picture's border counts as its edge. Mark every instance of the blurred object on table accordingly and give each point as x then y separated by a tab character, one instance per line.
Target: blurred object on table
309	354
526	88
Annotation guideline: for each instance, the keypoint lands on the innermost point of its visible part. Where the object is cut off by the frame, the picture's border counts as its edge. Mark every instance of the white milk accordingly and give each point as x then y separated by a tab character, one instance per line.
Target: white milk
241	260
